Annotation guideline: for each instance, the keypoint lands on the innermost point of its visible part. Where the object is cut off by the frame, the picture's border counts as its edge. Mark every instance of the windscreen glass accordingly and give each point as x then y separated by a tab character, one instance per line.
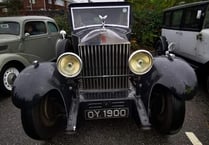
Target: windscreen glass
12	28
83	17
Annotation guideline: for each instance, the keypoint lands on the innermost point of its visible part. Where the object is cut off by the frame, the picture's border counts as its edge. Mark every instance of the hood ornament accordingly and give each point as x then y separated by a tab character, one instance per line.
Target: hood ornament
103	18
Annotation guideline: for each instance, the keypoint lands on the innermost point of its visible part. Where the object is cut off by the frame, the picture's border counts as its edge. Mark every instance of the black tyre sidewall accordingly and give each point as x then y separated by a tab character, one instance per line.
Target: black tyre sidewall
171	120
159	48
35	128
63	47
27	123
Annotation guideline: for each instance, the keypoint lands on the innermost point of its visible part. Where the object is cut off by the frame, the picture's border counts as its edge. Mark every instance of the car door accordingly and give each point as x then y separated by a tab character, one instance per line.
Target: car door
53	35
37	43
173	22
189	35
202	50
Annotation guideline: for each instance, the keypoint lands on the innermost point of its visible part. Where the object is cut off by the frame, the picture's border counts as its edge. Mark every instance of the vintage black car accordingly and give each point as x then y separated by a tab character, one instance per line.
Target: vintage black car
98	76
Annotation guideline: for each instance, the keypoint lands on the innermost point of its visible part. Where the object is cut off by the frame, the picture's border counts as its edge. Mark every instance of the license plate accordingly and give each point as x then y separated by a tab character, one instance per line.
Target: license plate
106	113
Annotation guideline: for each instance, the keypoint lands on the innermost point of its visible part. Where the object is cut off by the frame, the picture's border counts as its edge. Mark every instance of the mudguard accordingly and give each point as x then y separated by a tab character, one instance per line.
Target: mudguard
7	57
36	81
178	76
175	75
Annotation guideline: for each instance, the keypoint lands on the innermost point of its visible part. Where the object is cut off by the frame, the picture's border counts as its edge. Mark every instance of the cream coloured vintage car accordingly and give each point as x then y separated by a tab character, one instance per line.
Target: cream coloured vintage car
23	40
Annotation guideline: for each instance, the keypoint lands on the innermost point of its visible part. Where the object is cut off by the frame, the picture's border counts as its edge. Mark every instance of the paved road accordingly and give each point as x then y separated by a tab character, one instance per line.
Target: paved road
110	132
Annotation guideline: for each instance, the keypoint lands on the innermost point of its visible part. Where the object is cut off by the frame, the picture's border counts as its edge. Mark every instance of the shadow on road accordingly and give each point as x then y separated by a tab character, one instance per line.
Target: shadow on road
3	97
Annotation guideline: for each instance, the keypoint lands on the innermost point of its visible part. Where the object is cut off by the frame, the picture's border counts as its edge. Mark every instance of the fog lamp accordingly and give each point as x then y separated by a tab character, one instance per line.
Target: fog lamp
69	64
140	62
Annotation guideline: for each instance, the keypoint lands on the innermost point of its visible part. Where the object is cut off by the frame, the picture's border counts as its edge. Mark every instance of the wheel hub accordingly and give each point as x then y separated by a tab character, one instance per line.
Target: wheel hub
9	76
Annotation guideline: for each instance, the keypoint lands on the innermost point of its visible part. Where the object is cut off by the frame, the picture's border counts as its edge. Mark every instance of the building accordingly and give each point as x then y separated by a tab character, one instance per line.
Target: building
44	4
32	6
3	8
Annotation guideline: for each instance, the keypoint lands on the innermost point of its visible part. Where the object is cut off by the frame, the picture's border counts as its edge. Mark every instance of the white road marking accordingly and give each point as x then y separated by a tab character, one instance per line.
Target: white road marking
193	138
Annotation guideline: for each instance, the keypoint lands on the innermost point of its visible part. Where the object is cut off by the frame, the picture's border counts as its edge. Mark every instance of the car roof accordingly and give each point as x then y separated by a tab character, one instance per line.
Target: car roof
23	18
187	5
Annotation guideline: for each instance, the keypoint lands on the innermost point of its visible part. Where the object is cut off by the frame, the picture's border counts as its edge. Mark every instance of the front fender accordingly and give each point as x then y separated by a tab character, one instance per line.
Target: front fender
34	82
176	75
7	57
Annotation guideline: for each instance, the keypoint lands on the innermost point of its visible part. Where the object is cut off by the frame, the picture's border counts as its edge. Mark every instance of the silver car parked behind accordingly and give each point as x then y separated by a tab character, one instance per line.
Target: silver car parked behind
23	40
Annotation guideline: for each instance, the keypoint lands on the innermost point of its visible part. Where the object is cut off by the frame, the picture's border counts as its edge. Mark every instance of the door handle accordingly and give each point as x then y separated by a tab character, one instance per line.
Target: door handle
199	37
179	33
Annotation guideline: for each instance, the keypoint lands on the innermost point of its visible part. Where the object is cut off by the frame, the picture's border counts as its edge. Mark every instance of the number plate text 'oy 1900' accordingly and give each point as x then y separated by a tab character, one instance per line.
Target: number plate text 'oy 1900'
106	113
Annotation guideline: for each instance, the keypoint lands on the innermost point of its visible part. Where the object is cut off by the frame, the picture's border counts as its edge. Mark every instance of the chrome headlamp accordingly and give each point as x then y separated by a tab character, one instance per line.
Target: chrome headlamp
140	62
69	64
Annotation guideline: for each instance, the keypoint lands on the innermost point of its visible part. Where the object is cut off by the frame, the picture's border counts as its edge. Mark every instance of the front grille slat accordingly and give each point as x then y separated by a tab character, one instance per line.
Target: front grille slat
102	64
105	95
89	64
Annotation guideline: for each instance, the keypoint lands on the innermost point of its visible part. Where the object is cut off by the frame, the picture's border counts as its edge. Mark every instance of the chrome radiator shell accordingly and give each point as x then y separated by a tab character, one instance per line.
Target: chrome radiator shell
105	67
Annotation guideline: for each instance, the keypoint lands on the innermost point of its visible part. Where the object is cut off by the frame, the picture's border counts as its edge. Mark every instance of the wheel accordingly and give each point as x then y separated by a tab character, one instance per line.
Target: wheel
159	48
63	46
44	119
167	112
7	77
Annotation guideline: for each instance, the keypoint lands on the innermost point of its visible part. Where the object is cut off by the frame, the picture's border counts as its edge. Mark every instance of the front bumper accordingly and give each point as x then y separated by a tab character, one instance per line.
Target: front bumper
132	101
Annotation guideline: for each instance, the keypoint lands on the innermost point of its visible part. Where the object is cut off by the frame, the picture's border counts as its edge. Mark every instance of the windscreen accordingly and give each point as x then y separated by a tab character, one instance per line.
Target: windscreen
12	28
83	17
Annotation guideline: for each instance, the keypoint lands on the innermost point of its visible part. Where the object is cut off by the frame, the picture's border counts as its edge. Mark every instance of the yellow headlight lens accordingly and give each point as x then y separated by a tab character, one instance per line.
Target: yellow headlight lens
69	64
140	62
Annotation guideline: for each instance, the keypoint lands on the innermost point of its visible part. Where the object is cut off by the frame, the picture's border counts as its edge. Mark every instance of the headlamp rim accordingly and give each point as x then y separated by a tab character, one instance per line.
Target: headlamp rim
140	51
73	54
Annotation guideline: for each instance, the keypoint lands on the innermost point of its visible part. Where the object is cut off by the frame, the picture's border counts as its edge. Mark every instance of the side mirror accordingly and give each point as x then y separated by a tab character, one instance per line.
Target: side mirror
63	34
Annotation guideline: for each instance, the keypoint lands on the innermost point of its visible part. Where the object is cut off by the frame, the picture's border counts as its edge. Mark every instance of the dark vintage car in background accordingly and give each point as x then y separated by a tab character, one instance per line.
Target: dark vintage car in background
98	76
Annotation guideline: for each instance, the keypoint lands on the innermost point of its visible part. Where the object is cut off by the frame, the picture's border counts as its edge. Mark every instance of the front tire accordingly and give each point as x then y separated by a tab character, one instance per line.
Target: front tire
46	118
167	112
62	47
160	50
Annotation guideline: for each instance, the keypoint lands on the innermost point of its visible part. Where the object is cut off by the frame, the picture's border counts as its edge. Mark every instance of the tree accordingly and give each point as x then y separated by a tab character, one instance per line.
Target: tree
147	17
14	6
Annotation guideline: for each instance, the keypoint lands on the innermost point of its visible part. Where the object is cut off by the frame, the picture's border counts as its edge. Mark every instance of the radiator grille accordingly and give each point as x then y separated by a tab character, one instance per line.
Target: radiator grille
105	66
106	95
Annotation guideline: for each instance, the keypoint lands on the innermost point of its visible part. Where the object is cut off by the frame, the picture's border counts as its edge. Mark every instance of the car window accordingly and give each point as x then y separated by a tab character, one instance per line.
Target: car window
190	19
12	28
167	18
52	27
176	18
206	23
35	28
